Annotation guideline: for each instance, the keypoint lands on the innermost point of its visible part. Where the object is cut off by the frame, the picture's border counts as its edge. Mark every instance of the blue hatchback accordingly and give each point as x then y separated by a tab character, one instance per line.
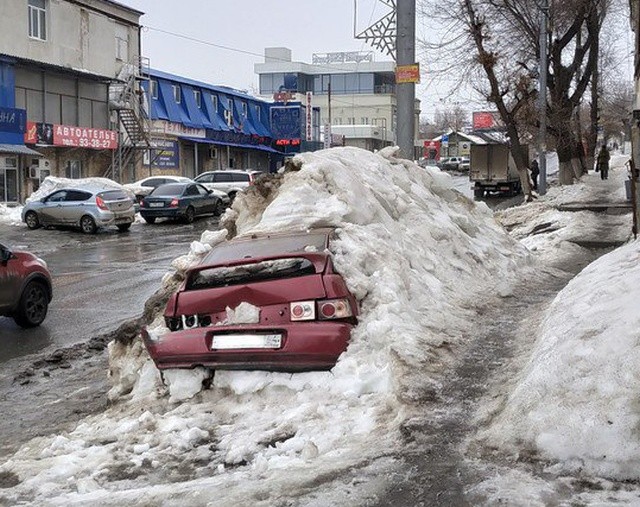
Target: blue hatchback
185	201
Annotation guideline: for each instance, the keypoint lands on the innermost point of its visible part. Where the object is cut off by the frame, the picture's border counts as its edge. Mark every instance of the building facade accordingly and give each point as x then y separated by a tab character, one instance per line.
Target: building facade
58	59
356	95
198	127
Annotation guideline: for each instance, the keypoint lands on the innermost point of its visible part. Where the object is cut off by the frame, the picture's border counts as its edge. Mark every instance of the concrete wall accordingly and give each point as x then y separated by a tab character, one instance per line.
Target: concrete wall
78	37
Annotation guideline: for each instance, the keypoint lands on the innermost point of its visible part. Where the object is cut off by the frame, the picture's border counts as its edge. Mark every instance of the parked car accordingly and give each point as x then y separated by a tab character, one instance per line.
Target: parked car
450	163
230	181
25	287
304	312
465	164
180	200
87	207
143	187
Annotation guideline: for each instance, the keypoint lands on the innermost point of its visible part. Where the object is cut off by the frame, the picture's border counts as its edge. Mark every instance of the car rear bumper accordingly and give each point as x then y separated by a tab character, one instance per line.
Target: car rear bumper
106	218
305	346
162	212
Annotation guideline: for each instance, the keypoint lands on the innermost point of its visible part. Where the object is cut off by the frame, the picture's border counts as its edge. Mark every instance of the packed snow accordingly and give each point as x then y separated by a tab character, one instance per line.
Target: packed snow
417	255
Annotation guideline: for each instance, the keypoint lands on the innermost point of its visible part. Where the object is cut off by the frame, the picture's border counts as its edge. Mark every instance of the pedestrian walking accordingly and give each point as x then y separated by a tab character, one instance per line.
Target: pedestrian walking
603	163
535	171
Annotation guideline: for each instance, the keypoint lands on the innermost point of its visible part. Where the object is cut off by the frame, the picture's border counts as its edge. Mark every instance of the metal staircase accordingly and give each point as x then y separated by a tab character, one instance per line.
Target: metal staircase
127	100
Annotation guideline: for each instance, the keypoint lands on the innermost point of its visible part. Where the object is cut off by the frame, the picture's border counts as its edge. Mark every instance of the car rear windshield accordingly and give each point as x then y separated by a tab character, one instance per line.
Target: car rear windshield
210	278
170	189
266	247
114	195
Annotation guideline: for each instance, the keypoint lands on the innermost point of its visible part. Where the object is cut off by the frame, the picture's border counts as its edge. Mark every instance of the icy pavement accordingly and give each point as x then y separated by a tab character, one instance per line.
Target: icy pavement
425	263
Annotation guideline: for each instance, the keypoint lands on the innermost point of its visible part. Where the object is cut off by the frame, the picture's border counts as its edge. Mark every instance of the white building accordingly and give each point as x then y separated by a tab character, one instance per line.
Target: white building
362	103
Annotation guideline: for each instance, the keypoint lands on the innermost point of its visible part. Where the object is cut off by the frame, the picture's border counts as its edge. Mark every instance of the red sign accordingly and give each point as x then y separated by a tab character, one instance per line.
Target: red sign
431	150
68	135
408	73
485	120
287	142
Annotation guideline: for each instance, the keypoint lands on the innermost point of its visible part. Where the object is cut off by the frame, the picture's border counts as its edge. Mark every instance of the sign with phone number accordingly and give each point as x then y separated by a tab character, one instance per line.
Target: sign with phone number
69	135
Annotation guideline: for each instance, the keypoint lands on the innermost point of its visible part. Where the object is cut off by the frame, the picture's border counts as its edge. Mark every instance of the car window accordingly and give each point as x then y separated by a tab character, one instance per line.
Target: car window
113	195
192	190
222	178
77	196
168	189
154	182
242	177
204	178
202	190
58	196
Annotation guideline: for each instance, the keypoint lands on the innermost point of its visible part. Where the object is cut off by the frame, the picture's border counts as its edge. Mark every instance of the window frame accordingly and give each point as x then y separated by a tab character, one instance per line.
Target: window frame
153	88
177	93
197	97
214	102
37	30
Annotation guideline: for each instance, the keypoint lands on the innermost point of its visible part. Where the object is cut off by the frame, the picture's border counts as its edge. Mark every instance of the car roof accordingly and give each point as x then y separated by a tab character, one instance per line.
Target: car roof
89	188
241	171
269	244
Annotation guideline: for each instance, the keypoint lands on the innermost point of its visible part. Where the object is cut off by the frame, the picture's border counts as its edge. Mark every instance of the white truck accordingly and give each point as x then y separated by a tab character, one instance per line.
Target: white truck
493	169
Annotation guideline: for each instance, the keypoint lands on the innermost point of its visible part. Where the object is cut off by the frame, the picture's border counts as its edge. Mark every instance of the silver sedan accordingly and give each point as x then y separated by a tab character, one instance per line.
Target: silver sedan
88	208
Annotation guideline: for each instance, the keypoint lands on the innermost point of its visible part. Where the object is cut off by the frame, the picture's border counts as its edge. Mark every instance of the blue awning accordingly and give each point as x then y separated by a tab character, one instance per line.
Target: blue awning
259	147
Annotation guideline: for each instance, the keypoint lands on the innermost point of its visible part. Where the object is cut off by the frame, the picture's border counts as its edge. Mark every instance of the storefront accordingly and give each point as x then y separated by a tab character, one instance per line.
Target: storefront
14	155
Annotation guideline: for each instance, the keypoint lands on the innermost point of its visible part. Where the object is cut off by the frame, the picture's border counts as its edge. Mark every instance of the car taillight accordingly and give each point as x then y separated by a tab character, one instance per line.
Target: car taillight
174	203
334	309
100	203
302	310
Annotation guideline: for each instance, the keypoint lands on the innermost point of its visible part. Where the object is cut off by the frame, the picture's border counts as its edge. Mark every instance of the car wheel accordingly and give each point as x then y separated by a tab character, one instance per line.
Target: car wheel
88	225
150	220
219	209
32	220
123	227
33	305
232	196
478	193
189	215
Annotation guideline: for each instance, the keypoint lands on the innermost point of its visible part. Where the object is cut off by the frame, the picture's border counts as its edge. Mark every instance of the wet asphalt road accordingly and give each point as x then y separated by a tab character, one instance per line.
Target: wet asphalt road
99	281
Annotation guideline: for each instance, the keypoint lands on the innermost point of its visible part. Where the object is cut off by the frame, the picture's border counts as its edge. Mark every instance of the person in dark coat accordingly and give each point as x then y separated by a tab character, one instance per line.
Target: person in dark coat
535	171
603	163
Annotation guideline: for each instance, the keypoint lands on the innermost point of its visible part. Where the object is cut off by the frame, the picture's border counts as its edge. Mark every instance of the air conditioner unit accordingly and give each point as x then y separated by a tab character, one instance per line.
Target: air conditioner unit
34	172
213	152
44	168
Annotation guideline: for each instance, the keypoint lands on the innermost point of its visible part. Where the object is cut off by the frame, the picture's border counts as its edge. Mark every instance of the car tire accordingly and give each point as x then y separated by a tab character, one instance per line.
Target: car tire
189	215
219	208
33	305
123	227
32	220
478	193
232	196
88	225
150	220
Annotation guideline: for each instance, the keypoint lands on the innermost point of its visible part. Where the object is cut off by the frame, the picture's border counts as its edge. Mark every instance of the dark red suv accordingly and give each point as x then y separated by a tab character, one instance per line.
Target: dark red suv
25	287
301	311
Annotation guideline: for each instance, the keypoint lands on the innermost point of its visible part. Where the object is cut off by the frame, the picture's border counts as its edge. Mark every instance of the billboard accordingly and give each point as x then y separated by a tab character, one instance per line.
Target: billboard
68	135
165	154
486	120
286	122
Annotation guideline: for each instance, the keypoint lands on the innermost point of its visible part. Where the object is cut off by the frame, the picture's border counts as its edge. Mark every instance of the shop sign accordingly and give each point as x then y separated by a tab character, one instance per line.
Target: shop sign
309	116
408	73
176	129
287	142
13	120
165	154
68	135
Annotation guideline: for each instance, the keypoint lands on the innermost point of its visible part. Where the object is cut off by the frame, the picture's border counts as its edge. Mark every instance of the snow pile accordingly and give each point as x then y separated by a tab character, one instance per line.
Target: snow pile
413	251
10	216
52	183
577	401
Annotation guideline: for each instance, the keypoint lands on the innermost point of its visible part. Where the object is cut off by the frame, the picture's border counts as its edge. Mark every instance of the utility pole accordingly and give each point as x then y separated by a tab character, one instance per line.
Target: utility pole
406	91
542	97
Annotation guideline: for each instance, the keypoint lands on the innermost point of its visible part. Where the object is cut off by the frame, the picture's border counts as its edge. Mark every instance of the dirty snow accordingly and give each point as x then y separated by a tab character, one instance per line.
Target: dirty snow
415	253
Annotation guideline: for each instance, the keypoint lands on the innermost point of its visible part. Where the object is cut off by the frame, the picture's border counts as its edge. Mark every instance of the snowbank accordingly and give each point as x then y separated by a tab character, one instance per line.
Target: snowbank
10	215
413	251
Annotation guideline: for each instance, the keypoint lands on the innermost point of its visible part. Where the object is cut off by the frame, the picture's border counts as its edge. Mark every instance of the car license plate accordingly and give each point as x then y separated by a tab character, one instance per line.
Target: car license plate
124	220
246	341
156	204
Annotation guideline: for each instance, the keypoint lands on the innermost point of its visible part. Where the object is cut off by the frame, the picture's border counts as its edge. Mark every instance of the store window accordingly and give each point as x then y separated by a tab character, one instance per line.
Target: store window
73	169
38	19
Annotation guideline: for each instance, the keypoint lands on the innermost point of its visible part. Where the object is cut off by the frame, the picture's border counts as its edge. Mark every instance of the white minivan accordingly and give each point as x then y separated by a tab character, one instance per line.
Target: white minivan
230	181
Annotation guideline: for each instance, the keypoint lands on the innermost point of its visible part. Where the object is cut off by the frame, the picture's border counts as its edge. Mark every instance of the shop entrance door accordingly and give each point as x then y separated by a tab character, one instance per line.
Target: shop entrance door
8	179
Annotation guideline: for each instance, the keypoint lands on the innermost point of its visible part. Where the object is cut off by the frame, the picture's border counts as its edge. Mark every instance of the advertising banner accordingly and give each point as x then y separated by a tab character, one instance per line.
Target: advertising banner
13	124
486	120
166	154
408	73
66	135
286	122
309	117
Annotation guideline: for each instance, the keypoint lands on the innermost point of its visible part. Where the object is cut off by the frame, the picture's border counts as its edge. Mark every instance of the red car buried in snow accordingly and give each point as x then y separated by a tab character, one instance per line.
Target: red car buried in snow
303	312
